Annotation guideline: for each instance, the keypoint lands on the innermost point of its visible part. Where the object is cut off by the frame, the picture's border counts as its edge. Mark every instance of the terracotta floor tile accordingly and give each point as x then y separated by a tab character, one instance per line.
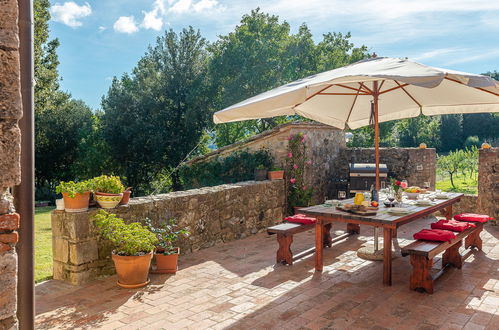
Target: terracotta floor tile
237	286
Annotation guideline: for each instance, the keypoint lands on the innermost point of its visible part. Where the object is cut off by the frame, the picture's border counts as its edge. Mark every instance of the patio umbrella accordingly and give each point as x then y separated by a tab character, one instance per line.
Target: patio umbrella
371	91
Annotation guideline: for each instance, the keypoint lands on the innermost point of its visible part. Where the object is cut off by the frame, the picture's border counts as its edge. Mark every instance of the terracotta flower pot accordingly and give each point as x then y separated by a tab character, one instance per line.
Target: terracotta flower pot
166	264
77	204
275	175
133	271
126	197
107	201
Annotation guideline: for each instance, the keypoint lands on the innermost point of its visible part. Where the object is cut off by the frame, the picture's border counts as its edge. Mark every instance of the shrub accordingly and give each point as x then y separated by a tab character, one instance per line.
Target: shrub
472	141
72	188
239	166
128	239
167	233
108	184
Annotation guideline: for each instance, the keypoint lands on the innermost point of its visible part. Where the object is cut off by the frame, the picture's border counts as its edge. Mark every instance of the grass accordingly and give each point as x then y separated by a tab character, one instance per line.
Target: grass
43	244
463	184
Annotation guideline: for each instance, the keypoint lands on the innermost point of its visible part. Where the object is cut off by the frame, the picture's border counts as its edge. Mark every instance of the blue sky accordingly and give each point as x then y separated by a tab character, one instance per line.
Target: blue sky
105	38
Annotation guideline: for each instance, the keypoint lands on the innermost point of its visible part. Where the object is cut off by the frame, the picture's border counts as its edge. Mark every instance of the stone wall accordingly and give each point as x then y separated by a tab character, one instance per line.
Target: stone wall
488	182
413	164
323	147
10	113
213	215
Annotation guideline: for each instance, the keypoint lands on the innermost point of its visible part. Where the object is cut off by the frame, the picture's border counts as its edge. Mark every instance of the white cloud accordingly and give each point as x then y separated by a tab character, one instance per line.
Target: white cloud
125	24
154	19
185	6
102	28
203	5
437	53
181	6
69	13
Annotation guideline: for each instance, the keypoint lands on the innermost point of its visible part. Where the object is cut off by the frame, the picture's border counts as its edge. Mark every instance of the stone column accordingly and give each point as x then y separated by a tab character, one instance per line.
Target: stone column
10	138
488	182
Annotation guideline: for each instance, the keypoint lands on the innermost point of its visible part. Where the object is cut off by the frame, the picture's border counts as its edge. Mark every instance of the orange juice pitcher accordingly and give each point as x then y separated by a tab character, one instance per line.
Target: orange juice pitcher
359	198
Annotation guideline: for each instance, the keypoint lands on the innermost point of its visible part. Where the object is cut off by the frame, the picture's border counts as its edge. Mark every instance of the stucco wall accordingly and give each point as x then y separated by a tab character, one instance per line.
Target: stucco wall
213	215
10	137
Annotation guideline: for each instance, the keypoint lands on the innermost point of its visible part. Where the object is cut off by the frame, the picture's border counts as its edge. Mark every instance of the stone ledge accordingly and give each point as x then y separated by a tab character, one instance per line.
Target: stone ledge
213	215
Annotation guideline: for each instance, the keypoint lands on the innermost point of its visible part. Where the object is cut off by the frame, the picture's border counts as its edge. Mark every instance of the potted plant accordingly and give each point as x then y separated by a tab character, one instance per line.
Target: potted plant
276	174
166	253
126	196
108	190
260	173
133	246
76	195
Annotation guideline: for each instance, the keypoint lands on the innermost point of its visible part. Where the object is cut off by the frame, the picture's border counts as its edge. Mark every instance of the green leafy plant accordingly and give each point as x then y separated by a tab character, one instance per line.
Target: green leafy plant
72	188
261	167
167	233
274	169
108	184
236	167
296	163
128	239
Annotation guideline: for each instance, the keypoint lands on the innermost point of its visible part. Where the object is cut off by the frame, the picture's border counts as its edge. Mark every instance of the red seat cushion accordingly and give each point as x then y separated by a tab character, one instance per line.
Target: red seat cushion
438	235
452	225
300	218
473	217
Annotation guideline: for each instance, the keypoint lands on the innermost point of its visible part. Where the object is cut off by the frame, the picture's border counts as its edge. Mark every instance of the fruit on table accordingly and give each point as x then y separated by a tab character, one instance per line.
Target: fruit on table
374	203
413	189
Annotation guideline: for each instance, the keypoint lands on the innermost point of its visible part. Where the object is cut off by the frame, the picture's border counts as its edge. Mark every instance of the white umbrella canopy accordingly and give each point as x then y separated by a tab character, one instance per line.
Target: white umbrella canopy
342	97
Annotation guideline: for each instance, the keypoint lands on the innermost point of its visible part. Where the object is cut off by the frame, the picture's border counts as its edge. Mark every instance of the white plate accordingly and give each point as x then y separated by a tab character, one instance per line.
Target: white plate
441	196
398	210
423	202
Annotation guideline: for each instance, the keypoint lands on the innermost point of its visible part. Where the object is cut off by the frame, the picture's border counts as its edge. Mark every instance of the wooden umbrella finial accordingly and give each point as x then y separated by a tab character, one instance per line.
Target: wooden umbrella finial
374	55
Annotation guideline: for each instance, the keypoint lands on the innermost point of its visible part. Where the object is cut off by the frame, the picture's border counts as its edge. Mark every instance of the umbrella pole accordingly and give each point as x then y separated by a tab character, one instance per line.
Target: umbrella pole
376	131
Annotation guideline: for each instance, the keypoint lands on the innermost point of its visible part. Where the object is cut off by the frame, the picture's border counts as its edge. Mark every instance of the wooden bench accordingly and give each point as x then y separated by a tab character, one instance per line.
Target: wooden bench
422	254
286	230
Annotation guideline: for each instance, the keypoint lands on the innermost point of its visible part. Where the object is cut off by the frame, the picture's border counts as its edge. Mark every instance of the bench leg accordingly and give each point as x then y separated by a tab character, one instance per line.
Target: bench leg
328	240
353	228
421	277
447	212
474	240
452	256
284	253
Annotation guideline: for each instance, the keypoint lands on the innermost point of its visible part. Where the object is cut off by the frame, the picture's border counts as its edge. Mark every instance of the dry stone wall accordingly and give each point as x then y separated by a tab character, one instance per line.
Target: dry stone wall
213	215
413	164
324	144
10	174
488	182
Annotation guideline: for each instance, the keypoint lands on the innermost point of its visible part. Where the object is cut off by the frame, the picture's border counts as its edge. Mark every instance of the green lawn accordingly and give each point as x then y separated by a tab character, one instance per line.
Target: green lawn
43	244
464	185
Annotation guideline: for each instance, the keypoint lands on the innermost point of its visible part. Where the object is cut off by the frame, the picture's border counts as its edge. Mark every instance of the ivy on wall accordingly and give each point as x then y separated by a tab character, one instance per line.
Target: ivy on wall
239	166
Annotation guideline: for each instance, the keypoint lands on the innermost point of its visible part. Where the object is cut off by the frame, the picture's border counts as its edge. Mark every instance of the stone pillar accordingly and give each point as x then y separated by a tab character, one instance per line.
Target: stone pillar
10	138
488	182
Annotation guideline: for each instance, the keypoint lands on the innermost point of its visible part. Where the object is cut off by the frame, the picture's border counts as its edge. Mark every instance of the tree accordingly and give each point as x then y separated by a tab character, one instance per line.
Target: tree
451	132
156	115
261	54
59	133
59	120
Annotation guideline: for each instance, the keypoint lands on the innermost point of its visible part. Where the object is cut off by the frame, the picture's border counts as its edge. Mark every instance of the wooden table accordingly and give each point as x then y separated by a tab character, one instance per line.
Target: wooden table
326	215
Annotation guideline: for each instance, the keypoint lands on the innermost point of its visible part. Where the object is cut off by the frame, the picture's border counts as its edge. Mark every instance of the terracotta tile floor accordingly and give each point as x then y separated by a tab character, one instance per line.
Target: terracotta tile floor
237	286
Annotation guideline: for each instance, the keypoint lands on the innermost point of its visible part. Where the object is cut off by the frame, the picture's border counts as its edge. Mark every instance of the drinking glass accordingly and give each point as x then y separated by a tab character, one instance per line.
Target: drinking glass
342	194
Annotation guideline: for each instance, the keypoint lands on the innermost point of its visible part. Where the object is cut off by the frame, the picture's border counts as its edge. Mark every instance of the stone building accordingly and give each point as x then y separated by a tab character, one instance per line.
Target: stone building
10	149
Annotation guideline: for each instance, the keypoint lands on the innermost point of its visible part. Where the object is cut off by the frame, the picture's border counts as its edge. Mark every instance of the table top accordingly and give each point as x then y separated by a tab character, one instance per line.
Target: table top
383	217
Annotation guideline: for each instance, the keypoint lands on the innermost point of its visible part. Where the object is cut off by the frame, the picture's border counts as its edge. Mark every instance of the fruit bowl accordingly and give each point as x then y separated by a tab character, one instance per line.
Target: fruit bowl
412	195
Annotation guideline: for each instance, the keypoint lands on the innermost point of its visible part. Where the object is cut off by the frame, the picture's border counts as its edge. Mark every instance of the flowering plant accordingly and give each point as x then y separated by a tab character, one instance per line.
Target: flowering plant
296	163
397	184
